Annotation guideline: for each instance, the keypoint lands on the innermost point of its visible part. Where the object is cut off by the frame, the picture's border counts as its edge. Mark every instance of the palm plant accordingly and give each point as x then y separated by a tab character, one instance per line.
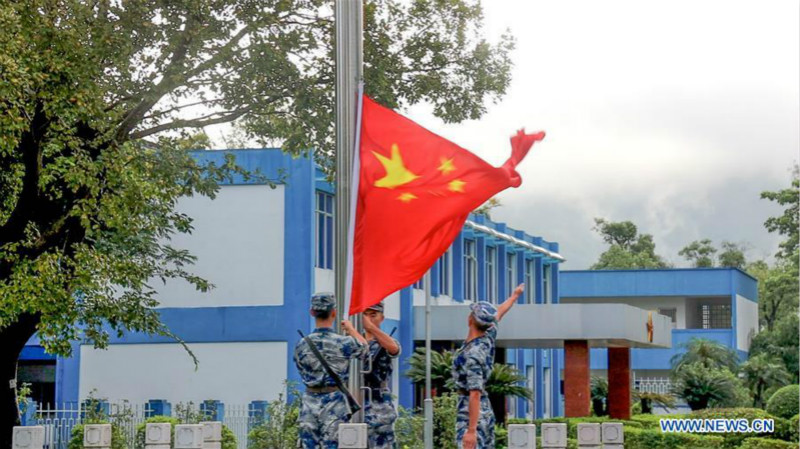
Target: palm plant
709	353
761	373
441	369
599	393
647	400
701	386
505	380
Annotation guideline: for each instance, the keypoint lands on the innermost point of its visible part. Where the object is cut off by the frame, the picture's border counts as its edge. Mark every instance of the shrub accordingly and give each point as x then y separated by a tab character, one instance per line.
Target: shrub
279	429
572	423
655	439
409	429
500	437
118	438
794	425
140	429
785	402
766	443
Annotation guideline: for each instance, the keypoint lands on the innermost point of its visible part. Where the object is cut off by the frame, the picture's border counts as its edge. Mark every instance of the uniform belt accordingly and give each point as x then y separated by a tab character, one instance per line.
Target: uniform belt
321	389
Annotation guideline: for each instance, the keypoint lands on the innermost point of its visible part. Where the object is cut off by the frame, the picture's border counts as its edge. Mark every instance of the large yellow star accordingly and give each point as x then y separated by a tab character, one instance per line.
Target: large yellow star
407	197
456	185
446	166
396	173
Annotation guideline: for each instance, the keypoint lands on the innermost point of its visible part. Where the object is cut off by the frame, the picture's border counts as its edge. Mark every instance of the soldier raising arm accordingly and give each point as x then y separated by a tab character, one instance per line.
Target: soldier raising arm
324	407
471	368
379	411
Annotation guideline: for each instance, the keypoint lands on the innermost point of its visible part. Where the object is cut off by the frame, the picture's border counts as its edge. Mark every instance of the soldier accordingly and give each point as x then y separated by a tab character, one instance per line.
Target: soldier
379	412
323	405
471	368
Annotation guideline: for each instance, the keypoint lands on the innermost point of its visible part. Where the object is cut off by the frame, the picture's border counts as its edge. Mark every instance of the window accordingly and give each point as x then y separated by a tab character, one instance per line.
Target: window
491	274
444	274
531	380
511	273
716	316
324	235
546	281
420	284
511	401
547	386
470	271
672	313
530	287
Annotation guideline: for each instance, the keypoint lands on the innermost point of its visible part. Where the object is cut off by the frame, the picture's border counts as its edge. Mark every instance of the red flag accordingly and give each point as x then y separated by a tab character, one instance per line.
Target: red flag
415	192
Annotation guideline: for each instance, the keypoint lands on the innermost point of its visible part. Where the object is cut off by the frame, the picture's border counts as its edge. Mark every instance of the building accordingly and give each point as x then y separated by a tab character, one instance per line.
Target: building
719	304
267	248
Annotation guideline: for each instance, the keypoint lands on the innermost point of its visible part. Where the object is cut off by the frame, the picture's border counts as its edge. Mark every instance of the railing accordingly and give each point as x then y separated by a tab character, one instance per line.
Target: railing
59	420
660	385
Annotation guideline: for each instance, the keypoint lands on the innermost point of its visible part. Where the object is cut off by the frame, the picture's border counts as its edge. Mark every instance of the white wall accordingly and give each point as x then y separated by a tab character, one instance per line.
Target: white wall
648	303
441	300
238	240
746	322
324	280
236	373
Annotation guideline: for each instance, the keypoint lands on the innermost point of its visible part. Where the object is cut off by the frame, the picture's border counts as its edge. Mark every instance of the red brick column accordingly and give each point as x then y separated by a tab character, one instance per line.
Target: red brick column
577	397
619	383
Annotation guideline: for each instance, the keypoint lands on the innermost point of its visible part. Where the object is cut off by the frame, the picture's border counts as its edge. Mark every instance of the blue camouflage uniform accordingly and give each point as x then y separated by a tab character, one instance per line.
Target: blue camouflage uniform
471	368
379	413
323	405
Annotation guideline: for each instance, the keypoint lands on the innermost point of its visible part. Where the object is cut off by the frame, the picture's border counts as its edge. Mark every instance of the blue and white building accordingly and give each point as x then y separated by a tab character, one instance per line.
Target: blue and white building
266	249
719	304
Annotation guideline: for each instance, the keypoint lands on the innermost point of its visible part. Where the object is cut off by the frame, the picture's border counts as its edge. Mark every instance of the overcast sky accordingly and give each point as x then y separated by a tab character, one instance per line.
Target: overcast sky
674	115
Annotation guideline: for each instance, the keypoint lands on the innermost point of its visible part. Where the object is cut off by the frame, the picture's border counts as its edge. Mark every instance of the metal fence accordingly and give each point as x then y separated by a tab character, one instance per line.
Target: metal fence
59	420
660	385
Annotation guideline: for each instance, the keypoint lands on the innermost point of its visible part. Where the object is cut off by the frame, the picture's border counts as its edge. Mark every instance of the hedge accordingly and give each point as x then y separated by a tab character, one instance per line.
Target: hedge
655	439
228	437
785	402
766	443
118	438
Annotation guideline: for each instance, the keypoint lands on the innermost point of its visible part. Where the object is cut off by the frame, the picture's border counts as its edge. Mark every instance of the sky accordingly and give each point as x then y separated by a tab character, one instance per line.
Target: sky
674	115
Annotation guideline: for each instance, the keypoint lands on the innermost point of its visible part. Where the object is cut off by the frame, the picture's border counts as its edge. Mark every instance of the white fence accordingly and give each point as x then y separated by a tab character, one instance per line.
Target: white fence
660	385
59	420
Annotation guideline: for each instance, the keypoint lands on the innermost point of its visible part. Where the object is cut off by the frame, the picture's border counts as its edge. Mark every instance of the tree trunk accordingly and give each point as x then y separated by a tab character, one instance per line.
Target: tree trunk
14	338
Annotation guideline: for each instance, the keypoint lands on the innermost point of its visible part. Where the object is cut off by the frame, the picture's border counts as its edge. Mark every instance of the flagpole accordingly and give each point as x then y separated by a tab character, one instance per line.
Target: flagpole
428	406
348	20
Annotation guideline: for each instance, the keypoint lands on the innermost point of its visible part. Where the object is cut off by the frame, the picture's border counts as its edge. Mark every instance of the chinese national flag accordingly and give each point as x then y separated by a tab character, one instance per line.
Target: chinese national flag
415	192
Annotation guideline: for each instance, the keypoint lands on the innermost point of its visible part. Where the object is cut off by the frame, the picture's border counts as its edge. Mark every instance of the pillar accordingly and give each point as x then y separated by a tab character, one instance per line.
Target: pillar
619	383
577	395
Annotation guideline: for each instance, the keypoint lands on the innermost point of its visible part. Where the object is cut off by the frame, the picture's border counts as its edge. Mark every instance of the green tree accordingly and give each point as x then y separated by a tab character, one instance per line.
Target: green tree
598	389
708	353
732	256
100	101
627	248
788	224
781	344
762	372
702	386
699	252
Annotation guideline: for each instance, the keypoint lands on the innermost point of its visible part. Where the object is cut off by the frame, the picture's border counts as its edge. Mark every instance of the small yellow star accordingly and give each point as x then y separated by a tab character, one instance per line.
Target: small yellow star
456	185
407	197
446	166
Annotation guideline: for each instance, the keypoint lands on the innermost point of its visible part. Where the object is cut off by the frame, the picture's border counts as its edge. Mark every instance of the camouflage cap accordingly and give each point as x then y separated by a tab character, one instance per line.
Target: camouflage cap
376	307
485	313
323	302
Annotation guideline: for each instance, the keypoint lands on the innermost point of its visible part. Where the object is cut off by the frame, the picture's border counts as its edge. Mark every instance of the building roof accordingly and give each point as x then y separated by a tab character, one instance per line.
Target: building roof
686	282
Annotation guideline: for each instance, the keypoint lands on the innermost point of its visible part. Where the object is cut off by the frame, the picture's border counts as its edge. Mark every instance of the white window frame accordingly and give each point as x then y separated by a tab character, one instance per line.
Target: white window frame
511	272
530	281
491	274
470	270
445	279
322	248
